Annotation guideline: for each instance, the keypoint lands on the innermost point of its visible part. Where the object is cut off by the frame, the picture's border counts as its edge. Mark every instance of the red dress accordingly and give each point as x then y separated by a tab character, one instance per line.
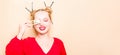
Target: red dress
30	47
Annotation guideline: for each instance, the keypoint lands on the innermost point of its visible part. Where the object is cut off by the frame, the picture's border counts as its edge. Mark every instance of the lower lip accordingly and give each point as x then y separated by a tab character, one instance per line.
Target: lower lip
42	28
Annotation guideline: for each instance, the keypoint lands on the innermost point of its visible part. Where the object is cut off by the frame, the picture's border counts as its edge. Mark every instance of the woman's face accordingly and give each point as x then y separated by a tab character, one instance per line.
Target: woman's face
42	22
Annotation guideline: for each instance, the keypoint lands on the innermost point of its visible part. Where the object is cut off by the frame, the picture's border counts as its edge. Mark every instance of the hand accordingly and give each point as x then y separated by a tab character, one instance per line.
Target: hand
22	28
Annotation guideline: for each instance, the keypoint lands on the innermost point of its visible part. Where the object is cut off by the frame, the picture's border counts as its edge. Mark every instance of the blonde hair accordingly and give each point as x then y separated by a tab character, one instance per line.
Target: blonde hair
47	9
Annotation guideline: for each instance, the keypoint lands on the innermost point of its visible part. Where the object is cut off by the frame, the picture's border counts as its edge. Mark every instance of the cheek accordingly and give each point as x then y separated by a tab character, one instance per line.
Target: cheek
48	24
36	27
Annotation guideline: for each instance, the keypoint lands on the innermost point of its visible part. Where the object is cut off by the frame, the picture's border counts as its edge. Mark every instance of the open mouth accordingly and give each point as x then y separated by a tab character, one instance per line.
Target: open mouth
42	28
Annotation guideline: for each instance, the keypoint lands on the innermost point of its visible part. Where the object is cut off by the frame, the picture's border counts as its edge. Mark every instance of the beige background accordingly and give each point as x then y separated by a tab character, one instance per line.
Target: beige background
87	27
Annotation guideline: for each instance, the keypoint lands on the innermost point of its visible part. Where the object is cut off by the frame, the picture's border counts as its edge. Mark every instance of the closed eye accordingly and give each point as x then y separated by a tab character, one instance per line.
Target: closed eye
45	20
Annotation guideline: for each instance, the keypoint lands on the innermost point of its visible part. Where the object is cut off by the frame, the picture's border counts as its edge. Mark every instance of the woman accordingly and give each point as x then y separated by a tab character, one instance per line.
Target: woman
43	43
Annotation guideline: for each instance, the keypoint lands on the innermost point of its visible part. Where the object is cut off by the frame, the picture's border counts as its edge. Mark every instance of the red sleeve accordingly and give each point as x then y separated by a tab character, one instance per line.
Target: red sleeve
63	52
14	47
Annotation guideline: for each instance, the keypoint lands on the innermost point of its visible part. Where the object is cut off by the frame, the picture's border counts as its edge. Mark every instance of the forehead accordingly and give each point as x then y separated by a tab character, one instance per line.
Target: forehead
41	14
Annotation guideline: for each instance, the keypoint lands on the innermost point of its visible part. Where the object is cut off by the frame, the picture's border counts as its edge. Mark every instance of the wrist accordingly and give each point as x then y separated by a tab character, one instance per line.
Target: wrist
19	36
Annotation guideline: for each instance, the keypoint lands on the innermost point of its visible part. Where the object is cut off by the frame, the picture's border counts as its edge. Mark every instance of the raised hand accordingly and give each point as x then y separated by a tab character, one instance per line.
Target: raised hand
22	29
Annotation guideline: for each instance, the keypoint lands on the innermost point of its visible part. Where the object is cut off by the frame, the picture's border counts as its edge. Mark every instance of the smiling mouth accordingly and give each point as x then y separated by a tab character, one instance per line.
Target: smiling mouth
42	28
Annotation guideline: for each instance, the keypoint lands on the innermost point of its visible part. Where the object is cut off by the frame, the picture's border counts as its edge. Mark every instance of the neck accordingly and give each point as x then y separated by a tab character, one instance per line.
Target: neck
43	35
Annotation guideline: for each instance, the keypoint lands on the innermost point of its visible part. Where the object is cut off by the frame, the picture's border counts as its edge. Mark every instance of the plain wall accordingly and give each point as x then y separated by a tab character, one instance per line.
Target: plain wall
87	27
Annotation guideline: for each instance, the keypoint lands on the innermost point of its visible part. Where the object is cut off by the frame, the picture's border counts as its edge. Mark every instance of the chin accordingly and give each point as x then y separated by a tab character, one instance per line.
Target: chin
43	32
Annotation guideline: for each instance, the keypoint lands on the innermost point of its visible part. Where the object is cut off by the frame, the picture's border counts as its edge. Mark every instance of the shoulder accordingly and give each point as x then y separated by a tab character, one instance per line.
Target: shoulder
59	41
28	40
